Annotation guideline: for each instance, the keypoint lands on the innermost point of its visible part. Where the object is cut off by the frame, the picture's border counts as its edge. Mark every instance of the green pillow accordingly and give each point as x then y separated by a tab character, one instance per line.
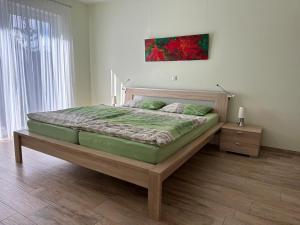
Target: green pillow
151	104
196	110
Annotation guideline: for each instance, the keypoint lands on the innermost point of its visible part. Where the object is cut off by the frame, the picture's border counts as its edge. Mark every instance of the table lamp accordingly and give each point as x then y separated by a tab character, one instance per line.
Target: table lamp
241	116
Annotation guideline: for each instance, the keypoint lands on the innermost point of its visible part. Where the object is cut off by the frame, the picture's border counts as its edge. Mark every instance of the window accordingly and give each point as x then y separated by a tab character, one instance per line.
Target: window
36	61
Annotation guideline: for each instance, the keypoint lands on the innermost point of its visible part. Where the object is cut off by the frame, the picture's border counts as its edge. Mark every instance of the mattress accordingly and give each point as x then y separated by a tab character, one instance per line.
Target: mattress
140	151
53	131
140	125
131	149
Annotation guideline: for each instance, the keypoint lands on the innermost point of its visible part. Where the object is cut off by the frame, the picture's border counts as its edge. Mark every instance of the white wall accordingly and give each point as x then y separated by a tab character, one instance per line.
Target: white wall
80	27
255	53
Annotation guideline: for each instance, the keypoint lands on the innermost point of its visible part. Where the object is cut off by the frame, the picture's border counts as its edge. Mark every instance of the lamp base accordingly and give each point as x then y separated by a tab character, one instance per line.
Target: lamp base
241	122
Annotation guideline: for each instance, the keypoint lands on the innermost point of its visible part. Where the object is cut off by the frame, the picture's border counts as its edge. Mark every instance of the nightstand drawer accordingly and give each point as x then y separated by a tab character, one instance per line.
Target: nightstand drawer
239	147
234	136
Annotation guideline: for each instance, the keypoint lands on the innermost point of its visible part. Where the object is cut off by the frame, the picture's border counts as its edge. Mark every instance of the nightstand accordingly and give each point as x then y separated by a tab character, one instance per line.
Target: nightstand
244	140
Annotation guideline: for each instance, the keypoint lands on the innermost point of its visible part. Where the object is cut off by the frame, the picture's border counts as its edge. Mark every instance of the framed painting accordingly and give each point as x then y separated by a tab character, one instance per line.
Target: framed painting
181	48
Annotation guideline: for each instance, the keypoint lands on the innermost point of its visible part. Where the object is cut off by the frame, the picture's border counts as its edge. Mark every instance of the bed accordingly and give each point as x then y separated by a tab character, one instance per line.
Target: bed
139	163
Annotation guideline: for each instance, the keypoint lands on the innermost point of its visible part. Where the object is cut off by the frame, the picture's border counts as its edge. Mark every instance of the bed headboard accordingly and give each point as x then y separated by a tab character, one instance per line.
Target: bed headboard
219	99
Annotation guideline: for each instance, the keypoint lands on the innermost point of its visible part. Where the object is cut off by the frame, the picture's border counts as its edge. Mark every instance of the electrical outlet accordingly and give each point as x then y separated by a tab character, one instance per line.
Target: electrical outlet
174	78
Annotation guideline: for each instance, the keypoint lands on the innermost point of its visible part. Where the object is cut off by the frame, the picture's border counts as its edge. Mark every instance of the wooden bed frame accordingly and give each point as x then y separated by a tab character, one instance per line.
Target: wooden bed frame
140	173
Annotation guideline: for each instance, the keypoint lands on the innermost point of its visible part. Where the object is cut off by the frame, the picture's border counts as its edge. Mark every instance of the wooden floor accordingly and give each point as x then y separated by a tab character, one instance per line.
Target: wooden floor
212	188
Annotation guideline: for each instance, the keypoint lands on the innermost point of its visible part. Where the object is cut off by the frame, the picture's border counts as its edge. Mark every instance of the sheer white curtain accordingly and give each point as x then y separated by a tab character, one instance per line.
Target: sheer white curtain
36	60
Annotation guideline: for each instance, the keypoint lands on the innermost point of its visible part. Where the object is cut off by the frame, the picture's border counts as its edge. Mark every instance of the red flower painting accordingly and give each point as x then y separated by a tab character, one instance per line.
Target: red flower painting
192	47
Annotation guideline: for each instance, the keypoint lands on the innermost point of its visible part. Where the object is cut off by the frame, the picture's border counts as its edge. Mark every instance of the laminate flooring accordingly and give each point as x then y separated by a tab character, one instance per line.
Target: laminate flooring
212	188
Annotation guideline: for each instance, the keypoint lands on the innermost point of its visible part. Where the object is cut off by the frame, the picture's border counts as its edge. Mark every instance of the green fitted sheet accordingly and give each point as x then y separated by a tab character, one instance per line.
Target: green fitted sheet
139	151
52	131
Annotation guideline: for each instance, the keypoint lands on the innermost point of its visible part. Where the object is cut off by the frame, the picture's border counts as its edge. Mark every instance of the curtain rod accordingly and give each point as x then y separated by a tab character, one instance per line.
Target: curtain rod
57	2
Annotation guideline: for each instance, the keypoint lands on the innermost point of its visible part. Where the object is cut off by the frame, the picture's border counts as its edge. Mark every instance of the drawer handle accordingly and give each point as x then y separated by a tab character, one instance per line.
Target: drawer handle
239	132
237	143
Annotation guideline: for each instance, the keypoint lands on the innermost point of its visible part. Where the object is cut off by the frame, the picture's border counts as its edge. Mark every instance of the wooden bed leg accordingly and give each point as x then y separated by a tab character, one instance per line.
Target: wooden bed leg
18	148
154	195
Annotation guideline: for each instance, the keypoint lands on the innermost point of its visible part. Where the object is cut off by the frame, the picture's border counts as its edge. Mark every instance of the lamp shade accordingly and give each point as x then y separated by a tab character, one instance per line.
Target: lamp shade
241	112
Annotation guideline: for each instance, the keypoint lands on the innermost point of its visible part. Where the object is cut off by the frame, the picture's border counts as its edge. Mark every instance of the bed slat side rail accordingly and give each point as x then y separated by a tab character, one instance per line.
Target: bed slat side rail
170	165
123	168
